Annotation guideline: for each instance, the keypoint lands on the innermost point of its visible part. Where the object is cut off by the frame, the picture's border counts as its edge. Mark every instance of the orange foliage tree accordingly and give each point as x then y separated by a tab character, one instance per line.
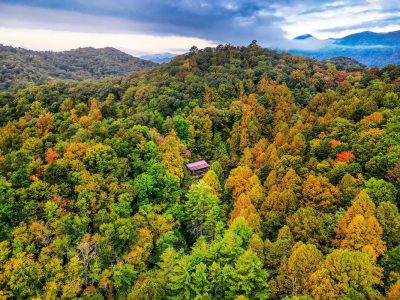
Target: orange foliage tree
319	194
345	157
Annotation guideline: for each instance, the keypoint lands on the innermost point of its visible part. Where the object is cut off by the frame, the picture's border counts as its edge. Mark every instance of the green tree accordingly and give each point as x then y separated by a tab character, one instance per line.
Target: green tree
381	191
8	205
202	209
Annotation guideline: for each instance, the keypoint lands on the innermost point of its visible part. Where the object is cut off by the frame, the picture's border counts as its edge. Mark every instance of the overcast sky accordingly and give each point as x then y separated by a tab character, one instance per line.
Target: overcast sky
154	26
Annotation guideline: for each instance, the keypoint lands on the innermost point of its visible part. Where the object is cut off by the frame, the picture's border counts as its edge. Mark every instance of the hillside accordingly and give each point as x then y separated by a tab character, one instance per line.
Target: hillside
301	200
345	64
20	67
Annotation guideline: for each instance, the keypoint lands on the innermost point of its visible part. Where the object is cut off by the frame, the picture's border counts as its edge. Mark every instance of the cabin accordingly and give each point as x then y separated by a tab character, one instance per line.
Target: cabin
198	168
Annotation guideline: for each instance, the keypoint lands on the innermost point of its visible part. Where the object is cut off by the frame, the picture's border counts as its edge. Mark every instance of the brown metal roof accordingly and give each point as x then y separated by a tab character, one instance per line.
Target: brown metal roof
198	165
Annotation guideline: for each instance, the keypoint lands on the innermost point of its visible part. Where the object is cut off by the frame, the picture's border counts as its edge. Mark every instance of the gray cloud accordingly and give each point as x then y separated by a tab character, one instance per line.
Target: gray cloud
224	21
221	21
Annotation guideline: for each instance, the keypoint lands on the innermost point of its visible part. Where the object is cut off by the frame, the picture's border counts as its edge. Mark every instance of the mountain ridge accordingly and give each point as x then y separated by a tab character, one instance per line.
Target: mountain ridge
159	57
367	47
21	67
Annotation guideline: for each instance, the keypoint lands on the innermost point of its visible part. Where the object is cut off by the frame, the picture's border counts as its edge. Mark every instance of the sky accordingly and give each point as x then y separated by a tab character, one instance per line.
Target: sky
155	26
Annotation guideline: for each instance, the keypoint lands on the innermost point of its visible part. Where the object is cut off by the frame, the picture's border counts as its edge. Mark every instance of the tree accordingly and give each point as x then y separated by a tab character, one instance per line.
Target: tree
248	277
212	180
298	145
100	159
294	275
361	233
319	194
284	107
244	208
45	123
345	157
170	154
391	262
242	180
359	229
202	210
394	292
123	276
306	226
381	191
393	175
282	203
200	134
217	168
389	219
344	270
224	268
156	185
23	276
8	212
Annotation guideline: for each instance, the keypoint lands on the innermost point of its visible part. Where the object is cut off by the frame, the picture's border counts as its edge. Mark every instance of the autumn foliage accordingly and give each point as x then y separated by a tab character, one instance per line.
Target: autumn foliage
301	200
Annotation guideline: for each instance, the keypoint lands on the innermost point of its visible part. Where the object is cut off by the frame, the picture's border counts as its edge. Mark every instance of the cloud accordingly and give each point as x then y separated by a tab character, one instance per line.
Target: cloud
226	21
135	44
339	18
273	23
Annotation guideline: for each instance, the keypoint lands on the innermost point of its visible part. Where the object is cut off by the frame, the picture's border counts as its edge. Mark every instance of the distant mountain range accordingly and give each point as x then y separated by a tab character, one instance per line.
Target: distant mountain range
159	58
369	48
20	67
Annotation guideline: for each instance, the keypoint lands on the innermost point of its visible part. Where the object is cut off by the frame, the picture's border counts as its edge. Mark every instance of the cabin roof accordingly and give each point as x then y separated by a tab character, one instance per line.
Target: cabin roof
198	165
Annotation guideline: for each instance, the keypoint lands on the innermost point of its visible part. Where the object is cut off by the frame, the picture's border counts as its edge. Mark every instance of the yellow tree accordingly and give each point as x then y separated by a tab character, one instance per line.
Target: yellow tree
359	229
295	273
394	292
283	203
256	157
242	180
170	152
212	180
243	207
247	131
298	145
319	194
342	271
45	123
285	106
95	110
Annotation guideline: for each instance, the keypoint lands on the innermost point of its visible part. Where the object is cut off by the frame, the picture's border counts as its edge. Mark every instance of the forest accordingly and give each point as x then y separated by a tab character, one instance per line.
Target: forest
301	200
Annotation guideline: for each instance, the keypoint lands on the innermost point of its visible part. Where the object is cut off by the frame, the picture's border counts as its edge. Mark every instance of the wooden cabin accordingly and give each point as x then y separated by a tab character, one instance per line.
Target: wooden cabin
198	168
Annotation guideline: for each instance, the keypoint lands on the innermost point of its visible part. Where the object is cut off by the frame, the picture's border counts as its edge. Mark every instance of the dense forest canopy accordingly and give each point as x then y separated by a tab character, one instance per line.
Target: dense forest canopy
20	67
301	200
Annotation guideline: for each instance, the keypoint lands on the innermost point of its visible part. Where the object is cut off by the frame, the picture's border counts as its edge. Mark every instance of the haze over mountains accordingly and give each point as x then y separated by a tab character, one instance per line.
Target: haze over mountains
20	67
159	57
369	48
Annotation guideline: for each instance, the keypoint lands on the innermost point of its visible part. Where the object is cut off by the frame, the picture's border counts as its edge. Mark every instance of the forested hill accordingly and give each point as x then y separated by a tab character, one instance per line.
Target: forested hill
301	200
20	67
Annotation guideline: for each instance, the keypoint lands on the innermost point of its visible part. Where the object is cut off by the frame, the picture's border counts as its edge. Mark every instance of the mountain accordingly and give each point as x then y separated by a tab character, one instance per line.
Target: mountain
20	67
303	37
368	38
159	58
369	48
